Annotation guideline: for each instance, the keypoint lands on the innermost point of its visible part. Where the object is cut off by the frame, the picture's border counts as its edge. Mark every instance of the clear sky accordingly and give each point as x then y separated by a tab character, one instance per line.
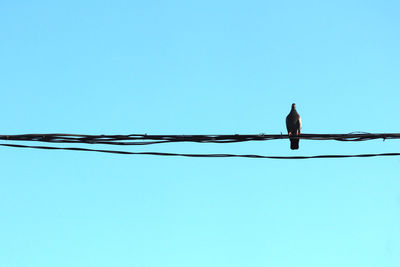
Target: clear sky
200	67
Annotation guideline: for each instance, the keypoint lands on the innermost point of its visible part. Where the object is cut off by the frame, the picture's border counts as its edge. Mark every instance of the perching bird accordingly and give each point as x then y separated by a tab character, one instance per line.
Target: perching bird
293	126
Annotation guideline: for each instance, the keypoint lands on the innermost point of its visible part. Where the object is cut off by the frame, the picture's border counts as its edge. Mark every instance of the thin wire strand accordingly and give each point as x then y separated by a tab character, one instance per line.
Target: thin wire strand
204	155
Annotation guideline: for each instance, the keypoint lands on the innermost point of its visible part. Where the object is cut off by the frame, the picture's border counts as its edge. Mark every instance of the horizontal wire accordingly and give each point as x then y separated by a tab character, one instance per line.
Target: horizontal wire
203	155
144	139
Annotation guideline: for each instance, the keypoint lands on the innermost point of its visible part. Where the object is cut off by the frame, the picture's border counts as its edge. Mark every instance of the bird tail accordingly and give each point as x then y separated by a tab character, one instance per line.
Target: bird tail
294	144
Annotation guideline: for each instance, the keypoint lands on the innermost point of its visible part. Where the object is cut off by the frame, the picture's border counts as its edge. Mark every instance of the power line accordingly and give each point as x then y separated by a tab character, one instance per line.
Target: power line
204	155
144	139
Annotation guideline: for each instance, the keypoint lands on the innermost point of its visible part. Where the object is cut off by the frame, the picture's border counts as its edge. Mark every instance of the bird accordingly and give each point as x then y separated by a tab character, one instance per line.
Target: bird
293	126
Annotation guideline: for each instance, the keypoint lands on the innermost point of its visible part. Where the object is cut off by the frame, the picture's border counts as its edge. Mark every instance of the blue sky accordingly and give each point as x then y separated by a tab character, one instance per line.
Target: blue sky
199	67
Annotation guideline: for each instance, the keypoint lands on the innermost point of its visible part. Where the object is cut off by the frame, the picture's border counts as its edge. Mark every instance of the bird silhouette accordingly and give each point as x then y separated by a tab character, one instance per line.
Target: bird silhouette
293	126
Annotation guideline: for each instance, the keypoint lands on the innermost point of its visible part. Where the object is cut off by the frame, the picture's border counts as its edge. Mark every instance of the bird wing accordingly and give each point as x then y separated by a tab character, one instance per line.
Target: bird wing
287	123
299	124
